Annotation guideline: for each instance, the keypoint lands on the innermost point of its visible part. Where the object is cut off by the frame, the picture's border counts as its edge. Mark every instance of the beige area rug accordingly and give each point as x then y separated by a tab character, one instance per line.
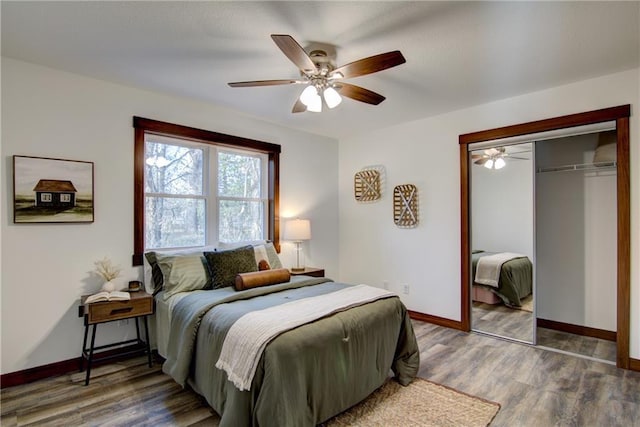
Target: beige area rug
421	403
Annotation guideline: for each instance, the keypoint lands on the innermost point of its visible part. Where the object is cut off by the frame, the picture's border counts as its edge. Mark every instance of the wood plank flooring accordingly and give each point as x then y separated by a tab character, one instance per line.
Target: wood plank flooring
534	387
501	320
512	323
586	346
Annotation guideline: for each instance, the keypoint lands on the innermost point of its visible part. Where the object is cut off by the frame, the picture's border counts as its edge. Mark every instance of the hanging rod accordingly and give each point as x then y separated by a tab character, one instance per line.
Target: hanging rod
586	167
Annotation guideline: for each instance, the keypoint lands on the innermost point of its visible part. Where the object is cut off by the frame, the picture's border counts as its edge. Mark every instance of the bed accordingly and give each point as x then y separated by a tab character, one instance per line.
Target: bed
515	280
305	375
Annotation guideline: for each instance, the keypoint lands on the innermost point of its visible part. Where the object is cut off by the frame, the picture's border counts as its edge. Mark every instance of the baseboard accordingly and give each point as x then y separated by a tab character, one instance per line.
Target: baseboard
60	368
577	329
634	364
440	321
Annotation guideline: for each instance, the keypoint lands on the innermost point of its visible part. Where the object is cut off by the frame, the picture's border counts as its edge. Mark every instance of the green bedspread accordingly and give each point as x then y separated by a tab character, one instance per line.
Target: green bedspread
515	282
305	375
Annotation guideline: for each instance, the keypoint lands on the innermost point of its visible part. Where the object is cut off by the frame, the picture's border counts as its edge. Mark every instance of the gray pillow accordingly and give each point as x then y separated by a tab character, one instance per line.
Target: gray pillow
156	272
183	273
225	265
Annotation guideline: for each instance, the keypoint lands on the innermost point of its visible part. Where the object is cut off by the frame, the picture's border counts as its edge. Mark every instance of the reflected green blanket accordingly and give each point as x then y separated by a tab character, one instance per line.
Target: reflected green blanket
515	282
305	375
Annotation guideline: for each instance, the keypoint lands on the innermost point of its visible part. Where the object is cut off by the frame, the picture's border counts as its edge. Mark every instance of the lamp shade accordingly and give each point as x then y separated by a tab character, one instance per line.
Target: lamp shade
297	230
332	97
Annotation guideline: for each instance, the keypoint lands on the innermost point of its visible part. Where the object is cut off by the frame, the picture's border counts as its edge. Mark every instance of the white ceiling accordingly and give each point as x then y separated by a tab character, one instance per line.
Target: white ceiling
458	54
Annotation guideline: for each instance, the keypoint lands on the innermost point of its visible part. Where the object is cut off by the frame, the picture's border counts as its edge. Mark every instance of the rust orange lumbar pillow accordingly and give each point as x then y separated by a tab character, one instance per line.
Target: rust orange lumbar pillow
263	265
261	278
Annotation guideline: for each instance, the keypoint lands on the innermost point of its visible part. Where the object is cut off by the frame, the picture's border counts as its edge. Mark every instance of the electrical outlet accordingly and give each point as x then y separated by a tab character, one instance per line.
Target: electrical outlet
405	288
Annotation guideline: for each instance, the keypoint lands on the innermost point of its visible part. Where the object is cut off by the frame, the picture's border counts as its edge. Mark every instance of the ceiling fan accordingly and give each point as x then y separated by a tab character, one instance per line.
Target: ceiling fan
323	80
494	158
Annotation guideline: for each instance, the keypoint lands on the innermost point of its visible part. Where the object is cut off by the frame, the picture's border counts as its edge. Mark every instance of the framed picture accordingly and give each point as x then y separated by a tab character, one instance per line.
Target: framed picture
52	190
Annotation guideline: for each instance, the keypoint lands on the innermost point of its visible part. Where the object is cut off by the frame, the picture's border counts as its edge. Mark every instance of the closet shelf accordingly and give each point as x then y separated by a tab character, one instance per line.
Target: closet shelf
585	167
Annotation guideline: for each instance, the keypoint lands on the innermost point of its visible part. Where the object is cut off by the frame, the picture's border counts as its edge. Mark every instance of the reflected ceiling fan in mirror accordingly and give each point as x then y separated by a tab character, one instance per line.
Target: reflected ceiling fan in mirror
494	158
324	81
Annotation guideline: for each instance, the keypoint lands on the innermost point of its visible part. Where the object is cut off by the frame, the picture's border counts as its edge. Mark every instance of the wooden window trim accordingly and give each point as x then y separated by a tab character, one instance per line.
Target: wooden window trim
144	126
620	114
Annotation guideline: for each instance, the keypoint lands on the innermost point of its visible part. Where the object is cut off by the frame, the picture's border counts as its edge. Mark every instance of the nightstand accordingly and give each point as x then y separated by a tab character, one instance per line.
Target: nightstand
139	306
309	271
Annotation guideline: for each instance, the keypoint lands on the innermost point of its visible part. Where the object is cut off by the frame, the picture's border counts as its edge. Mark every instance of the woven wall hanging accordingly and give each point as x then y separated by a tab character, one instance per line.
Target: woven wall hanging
405	206
366	185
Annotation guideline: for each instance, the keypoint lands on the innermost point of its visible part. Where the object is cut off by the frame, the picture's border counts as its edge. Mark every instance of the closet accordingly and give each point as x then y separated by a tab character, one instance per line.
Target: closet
575	229
580	227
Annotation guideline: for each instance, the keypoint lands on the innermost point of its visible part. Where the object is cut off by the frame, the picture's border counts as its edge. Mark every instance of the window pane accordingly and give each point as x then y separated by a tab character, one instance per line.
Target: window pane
241	220
174	222
238	175
173	169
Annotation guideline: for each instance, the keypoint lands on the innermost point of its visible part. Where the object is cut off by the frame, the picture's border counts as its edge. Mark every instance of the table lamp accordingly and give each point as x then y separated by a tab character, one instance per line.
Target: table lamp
297	230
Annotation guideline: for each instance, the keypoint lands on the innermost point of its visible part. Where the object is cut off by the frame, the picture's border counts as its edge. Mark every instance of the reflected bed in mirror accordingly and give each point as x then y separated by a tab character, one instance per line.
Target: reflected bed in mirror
502	294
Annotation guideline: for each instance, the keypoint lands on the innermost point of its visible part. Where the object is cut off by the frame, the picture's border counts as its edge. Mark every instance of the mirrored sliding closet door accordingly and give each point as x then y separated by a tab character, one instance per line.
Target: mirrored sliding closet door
502	240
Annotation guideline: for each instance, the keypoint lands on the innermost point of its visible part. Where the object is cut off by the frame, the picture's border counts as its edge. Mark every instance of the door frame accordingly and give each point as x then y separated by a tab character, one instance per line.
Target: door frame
620	114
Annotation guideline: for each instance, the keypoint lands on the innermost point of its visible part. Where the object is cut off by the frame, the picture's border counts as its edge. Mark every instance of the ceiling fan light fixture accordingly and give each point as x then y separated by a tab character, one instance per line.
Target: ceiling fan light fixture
318	71
332	97
488	164
309	95
499	163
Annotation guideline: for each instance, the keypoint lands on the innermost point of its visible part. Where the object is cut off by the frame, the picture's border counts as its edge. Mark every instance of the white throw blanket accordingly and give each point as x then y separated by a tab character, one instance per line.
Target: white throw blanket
250	334
488	267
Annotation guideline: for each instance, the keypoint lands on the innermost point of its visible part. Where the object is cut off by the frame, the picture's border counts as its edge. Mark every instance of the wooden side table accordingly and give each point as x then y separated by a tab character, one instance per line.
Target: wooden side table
139	306
309	271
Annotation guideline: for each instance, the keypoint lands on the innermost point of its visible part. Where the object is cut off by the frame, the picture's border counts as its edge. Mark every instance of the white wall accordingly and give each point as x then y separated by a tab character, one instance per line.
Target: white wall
576	240
425	153
46	267
502	207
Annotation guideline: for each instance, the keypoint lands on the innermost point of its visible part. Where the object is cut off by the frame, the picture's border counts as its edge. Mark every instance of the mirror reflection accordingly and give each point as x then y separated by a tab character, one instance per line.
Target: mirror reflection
502	240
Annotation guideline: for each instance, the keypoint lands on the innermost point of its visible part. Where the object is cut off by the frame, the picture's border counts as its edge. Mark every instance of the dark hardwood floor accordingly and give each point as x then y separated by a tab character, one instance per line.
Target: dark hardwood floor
534	387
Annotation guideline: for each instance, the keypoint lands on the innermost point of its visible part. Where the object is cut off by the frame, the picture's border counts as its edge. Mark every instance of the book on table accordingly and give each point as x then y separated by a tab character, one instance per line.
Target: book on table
108	296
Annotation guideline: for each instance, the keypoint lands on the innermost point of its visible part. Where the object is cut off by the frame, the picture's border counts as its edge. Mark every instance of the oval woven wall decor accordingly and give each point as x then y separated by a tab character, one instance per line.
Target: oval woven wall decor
405	206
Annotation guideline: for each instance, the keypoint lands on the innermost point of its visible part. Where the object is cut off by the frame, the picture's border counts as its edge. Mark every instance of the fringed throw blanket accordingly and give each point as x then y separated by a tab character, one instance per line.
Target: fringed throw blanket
249	335
488	268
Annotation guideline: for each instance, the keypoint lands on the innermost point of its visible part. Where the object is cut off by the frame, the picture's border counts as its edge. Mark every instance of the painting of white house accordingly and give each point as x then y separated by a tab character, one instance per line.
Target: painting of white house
52	190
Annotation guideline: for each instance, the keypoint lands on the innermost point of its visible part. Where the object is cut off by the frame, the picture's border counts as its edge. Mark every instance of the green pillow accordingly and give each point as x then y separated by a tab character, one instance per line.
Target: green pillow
183	273
225	265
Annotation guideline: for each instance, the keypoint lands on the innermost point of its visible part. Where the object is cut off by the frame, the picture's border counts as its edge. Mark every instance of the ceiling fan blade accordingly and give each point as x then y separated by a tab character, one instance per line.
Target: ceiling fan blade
299	107
481	161
294	52
369	65
263	83
477	156
518	158
359	93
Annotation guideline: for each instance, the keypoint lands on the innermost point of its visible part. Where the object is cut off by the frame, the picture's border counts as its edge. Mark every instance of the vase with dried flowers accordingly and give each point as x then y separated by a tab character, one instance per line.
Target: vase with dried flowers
109	272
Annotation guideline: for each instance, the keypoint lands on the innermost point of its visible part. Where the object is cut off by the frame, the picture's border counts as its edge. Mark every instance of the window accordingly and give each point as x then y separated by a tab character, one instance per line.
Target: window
65	198
45	197
194	188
